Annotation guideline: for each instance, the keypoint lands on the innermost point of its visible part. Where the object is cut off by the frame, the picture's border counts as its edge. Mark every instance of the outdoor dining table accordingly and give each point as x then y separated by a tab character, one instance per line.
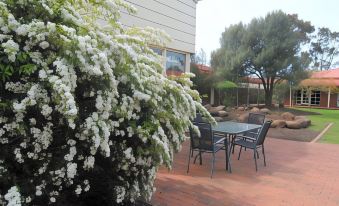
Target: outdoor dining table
230	130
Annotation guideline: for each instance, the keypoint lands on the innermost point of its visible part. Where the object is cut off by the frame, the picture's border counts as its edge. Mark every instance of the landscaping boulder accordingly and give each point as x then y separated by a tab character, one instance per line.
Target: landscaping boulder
222	114
216	109
288	116
241	109
303	121
243	117
219	119
208	106
255	110
278	123
294	124
265	111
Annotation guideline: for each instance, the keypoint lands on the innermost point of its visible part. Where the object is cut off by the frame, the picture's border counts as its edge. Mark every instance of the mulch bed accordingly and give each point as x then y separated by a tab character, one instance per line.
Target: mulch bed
302	135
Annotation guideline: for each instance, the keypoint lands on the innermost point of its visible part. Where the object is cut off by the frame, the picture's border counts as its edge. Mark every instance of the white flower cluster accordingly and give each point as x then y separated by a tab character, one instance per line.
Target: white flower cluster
97	102
13	197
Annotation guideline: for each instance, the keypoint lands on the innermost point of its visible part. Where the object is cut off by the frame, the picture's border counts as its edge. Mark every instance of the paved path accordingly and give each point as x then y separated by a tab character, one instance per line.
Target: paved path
297	173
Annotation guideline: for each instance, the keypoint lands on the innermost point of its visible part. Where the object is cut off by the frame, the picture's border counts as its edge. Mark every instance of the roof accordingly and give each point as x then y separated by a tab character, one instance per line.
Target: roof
204	69
333	73
328	78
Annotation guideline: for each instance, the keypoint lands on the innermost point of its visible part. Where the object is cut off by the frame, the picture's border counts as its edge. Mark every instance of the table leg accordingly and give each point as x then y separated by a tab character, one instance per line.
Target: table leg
232	139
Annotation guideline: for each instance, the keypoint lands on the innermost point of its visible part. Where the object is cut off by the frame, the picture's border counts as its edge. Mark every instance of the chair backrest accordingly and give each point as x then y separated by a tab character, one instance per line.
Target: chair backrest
198	118
254	118
205	140
263	132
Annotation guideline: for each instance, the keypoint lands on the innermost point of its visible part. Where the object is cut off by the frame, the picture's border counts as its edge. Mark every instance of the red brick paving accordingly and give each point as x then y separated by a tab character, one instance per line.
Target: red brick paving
297	173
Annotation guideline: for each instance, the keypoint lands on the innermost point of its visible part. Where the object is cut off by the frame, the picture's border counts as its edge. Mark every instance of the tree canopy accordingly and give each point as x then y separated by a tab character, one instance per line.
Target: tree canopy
324	48
269	48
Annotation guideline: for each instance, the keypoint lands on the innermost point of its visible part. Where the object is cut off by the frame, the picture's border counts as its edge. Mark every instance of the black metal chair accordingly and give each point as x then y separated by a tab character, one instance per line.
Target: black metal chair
207	142
253	118
248	142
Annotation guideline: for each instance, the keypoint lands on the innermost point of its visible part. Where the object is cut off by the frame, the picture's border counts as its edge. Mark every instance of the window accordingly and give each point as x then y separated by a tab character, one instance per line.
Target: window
175	64
298	97
303	98
157	50
315	98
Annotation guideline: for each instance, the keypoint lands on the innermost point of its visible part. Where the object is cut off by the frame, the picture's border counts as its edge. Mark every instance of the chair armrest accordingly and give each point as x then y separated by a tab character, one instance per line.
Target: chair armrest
246	137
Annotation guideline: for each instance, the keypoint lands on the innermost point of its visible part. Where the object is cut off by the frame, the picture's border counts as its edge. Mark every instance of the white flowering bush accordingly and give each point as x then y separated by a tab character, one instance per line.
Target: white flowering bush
86	117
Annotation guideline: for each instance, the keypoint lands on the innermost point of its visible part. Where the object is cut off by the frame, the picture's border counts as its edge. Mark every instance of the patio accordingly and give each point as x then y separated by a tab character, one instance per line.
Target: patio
297	173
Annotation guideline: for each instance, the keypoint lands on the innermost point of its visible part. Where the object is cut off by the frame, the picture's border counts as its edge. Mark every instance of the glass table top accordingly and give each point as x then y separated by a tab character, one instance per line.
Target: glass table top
234	127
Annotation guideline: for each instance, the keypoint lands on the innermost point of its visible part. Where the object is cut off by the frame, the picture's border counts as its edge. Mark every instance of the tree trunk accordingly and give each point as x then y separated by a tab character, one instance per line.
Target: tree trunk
268	97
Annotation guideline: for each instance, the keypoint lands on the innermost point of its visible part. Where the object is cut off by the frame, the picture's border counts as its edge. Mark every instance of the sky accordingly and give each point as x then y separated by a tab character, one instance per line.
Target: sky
213	16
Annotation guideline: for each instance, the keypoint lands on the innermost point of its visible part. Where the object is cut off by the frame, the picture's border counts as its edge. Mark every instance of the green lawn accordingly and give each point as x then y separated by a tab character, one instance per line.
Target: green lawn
323	118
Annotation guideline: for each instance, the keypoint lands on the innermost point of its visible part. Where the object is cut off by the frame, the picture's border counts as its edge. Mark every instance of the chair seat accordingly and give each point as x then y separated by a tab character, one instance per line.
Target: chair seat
245	143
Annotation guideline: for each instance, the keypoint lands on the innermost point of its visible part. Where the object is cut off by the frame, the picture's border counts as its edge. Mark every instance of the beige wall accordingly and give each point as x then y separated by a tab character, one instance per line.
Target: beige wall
175	17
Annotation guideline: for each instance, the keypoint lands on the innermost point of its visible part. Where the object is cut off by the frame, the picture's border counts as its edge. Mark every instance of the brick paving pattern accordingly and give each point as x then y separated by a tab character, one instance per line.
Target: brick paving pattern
297	173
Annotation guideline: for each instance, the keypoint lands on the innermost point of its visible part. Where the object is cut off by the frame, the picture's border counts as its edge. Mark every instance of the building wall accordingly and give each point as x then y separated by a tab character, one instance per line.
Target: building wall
323	101
176	17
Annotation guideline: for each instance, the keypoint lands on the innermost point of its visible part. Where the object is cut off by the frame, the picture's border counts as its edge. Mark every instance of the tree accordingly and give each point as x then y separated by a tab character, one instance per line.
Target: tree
86	116
200	57
268	48
324	48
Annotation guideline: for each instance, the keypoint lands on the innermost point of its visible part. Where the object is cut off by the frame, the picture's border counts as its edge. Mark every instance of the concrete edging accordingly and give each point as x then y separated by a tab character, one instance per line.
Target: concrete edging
322	133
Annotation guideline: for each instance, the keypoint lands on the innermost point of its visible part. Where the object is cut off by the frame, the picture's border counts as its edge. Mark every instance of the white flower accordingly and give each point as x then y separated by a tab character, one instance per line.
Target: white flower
78	190
71	170
22	30
44	45
13	197
89	163
10	48
28	199
52	199
46	110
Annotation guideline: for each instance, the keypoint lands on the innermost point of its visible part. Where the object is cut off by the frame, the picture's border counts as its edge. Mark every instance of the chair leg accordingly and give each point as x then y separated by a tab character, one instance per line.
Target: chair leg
263	153
226	155
255	159
200	158
213	159
189	160
240	152
192	153
258	155
233	138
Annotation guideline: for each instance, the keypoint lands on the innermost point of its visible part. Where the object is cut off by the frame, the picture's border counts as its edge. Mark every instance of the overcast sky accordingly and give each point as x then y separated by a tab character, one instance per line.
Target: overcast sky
214	15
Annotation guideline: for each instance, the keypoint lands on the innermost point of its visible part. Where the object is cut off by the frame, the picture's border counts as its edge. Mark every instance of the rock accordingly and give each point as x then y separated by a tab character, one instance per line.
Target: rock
208	106
265	111
229	109
278	123
216	109
255	110
243	117
219	119
288	116
222	114
241	109
303	121
293	124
